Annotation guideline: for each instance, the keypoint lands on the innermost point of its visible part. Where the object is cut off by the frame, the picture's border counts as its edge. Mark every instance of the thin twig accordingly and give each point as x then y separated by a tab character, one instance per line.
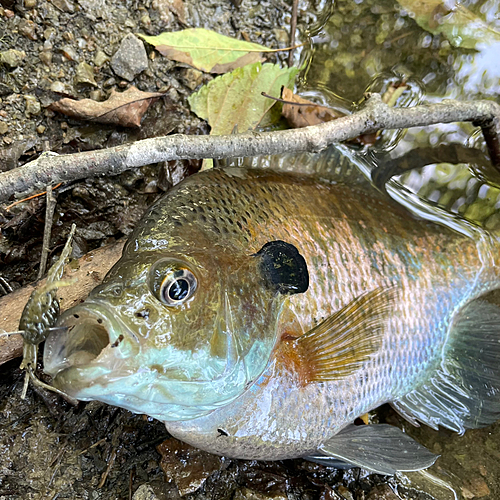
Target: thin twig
8	207
103	440
420	157
375	115
131	483
108	468
293	28
47	230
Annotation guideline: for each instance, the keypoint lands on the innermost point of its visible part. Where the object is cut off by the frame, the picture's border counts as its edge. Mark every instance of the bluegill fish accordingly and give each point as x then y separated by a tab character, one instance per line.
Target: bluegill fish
259	313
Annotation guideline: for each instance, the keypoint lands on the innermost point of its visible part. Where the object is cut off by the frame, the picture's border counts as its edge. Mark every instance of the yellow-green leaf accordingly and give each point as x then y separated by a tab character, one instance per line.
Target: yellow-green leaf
458	24
207	50
236	99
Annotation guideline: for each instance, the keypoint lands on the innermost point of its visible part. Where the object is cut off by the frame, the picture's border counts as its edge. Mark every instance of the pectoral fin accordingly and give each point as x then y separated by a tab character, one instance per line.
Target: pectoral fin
343	342
383	449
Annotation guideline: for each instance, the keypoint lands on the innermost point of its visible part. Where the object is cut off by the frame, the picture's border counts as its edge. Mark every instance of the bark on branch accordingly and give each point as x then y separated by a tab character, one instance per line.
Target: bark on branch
375	115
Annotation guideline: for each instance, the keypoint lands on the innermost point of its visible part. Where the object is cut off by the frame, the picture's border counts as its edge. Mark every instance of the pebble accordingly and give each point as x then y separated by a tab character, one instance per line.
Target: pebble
27	29
247	494
156	491
477	487
192	78
5	90
85	74
64	5
46	57
40	129
187	467
12	58
69	53
382	492
33	106
342	490
3	128
130	59
59	87
30	4
97	95
100	58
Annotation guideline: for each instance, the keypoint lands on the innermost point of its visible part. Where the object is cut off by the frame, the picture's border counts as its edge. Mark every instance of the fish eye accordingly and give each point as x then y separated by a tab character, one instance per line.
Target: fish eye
171	282
178	287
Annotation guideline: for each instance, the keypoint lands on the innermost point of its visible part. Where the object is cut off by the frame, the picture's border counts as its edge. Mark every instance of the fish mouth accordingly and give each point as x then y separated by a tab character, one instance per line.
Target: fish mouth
91	343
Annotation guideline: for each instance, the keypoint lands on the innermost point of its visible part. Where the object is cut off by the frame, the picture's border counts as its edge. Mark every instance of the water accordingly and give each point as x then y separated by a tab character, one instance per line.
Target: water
443	50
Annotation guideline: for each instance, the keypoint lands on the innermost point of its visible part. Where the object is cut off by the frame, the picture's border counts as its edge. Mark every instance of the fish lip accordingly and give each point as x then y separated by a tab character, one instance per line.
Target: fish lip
88	330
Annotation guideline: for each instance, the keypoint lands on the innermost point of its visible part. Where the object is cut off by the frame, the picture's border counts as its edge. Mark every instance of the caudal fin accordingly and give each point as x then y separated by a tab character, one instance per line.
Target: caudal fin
464	392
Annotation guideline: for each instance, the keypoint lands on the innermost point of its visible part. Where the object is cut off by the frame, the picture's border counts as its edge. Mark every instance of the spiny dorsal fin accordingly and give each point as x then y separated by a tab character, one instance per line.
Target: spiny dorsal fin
341	344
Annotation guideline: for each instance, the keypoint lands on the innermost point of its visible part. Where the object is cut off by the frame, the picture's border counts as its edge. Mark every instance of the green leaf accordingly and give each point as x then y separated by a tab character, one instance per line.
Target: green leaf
235	99
458	24
207	50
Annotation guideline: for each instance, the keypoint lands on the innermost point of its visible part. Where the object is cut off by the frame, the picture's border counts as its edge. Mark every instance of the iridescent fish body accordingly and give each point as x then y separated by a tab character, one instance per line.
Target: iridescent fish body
259	313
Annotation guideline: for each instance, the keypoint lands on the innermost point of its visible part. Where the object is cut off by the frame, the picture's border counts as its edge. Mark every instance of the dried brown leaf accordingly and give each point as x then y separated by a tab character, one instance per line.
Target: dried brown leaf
306	112
122	108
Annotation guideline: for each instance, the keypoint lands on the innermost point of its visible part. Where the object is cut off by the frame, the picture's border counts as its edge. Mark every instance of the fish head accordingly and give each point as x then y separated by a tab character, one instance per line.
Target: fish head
174	331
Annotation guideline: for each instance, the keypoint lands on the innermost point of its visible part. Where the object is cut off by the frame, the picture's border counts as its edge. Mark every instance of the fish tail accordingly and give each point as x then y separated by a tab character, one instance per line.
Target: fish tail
464	392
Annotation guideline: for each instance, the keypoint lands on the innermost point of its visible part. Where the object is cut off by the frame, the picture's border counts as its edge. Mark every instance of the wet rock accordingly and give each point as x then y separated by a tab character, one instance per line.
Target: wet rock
100	58
186	466
166	8
247	494
12	58
130	59
382	492
97	95
64	5
156	491
85	75
97	230
329	494
69	53
46	57
192	78
60	88
5	90
33	106
475	487
27	29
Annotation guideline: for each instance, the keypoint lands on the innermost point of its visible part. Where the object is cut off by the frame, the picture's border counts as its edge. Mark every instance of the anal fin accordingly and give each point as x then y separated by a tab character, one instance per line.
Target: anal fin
464	392
381	448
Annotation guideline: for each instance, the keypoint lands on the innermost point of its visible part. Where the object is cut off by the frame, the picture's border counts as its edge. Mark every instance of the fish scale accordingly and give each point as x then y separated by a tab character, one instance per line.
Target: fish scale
278	399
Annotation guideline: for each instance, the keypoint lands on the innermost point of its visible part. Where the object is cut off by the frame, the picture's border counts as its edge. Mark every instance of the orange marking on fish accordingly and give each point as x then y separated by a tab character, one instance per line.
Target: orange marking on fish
290	358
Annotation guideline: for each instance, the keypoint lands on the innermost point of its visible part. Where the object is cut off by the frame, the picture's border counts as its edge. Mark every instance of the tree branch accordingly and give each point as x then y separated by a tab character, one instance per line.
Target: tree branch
375	115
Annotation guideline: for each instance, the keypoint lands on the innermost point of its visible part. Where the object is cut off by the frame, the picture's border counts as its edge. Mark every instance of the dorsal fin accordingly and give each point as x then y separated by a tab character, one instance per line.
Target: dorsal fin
343	342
